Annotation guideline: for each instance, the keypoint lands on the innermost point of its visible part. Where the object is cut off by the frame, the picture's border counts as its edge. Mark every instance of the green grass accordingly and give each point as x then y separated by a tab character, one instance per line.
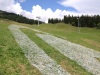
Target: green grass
12	59
88	37
66	63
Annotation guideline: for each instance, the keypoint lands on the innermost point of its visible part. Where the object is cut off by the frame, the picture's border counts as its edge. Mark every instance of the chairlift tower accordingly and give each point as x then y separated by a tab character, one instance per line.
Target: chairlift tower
38	19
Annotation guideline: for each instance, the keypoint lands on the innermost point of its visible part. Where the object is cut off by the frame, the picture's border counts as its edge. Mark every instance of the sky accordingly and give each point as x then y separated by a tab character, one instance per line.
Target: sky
51	8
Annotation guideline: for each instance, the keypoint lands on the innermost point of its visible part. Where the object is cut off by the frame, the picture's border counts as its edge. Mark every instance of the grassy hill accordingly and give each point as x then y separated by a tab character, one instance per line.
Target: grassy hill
13	61
89	37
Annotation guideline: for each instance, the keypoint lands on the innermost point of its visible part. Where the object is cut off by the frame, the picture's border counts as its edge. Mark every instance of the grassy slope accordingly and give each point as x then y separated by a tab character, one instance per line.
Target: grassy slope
89	37
12	59
65	62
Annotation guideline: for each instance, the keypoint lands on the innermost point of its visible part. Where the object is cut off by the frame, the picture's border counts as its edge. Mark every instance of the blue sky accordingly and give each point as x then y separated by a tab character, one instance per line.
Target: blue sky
51	8
45	4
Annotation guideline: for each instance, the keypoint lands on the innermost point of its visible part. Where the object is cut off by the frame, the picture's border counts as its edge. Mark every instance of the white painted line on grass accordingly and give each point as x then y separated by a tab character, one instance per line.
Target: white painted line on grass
85	57
36	55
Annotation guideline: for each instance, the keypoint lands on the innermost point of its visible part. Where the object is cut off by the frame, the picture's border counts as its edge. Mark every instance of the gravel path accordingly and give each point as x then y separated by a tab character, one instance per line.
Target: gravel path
36	56
83	56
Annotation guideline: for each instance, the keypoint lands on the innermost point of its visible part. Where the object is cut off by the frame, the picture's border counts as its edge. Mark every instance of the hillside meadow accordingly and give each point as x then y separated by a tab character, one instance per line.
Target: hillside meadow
14	62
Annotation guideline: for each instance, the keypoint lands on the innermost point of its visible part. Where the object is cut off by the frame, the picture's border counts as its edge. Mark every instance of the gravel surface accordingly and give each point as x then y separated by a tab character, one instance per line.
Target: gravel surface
36	56
85	57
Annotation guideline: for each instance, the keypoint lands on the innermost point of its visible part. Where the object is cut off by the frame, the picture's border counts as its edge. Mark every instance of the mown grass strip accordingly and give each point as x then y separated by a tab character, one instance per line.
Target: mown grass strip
65	62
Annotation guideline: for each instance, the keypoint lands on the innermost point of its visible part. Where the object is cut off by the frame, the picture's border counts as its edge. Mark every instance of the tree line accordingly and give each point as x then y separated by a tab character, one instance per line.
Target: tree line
53	21
84	20
17	18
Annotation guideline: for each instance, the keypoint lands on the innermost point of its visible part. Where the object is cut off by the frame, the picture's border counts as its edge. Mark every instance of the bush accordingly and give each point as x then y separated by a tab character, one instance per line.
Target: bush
73	23
98	25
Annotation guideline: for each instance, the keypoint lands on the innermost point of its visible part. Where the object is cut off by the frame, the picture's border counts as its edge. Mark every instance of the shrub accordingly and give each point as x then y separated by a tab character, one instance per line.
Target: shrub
73	23
98	25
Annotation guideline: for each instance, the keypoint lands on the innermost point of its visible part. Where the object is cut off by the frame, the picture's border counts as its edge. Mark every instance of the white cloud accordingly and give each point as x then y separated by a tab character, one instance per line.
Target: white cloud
83	6
48	13
10	6
13	6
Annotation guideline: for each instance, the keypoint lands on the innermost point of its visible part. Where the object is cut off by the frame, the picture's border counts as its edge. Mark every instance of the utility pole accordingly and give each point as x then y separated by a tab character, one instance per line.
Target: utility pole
78	25
38	19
